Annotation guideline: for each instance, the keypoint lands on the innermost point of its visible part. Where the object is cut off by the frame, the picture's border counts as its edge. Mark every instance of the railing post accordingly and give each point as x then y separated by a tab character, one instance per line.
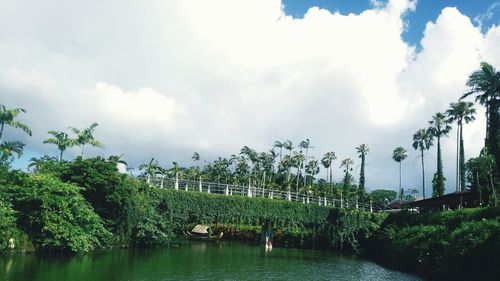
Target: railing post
208	191
176	182
371	206
319	200
161	183
249	193
326	203
271	194
186	188
199	185
357	205
289	196
227	190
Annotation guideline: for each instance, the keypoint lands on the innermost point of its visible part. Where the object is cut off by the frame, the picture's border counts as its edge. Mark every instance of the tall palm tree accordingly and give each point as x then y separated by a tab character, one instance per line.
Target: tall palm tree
347	165
439	126
399	154
312	169
485	83
422	140
86	136
461	112
288	145
279	145
327	162
362	150
297	160
8	117
62	141
305	144
9	148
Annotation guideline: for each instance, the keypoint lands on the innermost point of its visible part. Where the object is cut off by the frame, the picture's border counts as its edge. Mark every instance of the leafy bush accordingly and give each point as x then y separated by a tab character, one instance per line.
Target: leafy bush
456	245
56	216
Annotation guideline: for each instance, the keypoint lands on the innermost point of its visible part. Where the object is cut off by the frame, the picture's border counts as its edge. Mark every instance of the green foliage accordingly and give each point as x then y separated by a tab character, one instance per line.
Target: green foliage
113	196
455	245
383	196
56	216
294	223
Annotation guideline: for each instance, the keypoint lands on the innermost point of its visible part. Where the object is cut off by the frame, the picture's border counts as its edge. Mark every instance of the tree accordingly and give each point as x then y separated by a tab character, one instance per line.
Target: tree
8	117
461	112
305	144
362	150
327	162
399	154
439	127
383	196
8	149
86	136
62	141
279	145
422	140
312	168
485	82
149	170
480	175
347	165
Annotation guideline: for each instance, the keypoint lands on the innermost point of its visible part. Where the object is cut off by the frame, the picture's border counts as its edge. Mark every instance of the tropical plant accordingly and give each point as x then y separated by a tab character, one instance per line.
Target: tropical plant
86	136
398	155
327	162
461	112
62	140
347	180
439	127
362	150
8	149
8	117
485	83
422	140
149	170
305	144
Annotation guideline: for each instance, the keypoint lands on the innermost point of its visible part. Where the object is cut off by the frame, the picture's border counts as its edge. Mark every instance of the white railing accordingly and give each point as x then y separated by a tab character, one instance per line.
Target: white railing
259	192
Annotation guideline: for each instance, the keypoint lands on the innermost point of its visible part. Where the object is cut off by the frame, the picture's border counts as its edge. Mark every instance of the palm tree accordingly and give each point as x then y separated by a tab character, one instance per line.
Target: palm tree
36	163
279	145
8	116
288	145
422	140
312	168
461	112
347	165
86	136
149	169
327	162
399	154
305	144
439	127
9	148
362	150
297	160
196	158
485	82
62	141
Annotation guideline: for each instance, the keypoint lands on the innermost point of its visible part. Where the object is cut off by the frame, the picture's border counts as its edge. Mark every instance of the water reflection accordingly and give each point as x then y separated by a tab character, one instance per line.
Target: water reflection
195	261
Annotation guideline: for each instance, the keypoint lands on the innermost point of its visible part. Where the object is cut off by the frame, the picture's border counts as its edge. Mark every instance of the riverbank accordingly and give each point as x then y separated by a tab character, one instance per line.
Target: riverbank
450	245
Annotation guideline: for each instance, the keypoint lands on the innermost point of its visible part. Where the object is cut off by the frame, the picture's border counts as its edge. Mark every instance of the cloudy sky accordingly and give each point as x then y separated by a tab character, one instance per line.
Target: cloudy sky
166	78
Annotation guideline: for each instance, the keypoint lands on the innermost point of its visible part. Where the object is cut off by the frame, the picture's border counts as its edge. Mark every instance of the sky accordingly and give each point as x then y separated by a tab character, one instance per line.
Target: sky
166	78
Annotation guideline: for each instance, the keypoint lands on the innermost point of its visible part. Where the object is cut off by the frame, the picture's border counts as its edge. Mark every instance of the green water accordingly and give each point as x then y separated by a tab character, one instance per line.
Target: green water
195	261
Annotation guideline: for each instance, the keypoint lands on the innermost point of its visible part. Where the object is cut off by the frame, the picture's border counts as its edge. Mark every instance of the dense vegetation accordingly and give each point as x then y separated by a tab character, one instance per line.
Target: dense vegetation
451	245
86	204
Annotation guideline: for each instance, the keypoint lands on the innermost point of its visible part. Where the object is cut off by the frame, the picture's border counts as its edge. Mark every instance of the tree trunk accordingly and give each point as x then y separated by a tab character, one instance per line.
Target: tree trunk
61	155
457	180
423	172
461	166
1	131
400	187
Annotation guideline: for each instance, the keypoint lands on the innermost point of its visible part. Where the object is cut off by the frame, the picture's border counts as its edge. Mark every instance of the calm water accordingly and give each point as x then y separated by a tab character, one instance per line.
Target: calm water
195	261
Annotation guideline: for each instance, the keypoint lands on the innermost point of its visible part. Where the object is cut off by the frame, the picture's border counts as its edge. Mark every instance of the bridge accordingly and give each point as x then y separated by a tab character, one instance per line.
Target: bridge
260	192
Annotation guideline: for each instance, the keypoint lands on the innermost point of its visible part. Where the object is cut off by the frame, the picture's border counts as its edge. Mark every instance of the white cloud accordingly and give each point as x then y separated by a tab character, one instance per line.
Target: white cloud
165	79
